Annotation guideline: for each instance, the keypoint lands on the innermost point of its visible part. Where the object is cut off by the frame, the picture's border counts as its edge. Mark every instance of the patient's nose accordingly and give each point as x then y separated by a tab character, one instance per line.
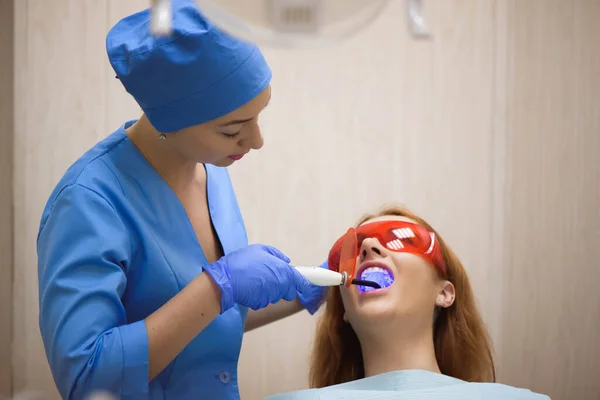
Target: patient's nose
371	249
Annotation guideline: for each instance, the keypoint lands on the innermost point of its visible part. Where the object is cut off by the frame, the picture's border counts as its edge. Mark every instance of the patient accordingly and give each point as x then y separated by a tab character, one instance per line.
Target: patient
419	337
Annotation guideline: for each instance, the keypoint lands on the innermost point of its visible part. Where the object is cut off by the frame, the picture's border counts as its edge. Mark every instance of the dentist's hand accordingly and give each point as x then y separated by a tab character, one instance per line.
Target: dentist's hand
313	297
255	277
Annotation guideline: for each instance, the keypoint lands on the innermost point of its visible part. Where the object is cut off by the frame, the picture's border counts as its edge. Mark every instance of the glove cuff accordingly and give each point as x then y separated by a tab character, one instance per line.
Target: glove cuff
219	273
313	305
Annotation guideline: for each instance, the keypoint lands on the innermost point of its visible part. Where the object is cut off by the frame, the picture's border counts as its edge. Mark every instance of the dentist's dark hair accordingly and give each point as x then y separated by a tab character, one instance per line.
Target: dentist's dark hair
462	344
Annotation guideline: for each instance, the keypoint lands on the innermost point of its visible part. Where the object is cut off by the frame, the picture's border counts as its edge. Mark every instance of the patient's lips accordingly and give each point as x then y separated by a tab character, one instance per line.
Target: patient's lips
375	273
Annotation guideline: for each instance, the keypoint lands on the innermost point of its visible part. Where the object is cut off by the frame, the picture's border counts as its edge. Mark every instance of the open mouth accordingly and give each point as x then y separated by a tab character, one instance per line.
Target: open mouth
382	276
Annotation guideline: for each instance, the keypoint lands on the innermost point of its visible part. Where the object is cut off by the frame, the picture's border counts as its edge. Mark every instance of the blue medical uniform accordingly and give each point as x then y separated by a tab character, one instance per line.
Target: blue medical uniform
114	245
413	385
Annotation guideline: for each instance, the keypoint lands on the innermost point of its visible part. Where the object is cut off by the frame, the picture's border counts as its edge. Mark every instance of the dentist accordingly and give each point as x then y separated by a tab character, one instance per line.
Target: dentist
146	277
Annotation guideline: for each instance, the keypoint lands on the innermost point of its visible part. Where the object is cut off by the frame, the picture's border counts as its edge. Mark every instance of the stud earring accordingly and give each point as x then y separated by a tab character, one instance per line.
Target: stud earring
162	136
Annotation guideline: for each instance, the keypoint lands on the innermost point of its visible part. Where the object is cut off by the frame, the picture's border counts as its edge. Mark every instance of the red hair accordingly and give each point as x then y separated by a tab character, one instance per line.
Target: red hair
462	345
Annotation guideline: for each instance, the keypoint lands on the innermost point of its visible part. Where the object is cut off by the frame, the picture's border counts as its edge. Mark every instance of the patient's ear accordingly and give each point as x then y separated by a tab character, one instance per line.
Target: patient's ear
445	297
345	317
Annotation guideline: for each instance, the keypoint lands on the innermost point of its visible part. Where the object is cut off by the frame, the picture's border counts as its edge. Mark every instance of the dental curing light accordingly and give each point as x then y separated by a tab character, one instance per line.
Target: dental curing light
325	277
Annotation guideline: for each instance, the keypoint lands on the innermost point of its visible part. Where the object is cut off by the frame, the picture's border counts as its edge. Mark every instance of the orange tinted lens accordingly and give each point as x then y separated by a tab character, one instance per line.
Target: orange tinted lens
407	237
397	236
333	260
348	254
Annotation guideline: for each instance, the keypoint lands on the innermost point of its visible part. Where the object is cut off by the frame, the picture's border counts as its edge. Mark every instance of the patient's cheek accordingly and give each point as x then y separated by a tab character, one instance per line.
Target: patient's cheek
412	290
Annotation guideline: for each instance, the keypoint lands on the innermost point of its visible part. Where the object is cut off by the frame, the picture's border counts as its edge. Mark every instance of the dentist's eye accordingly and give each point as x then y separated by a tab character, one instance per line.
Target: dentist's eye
231	135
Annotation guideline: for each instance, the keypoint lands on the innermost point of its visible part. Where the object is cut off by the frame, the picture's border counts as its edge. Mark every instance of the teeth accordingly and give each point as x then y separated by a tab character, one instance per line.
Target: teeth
374	269
376	274
366	288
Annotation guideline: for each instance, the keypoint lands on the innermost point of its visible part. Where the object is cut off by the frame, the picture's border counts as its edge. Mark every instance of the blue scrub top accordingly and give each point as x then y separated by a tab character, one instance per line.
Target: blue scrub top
413	385
114	245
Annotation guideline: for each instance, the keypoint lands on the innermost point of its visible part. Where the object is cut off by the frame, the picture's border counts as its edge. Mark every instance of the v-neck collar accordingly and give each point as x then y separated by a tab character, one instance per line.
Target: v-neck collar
168	209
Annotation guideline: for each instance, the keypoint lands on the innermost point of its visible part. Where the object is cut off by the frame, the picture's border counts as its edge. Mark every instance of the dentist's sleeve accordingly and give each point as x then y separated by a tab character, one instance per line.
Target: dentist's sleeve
84	251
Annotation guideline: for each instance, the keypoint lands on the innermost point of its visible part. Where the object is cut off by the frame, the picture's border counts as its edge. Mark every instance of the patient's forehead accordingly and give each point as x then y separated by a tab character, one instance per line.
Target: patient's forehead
389	218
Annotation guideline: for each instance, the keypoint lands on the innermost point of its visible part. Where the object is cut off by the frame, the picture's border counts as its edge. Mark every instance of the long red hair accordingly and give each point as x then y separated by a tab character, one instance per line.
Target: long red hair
462	345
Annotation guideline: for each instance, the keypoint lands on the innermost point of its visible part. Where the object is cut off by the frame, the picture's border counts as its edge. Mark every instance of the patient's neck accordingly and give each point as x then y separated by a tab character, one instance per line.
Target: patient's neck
384	352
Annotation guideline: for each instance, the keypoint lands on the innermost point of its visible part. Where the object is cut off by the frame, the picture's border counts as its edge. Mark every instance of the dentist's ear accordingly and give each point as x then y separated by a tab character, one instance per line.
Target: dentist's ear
446	295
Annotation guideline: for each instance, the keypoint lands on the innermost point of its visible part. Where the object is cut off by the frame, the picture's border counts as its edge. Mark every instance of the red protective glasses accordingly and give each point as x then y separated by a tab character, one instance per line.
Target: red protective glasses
396	236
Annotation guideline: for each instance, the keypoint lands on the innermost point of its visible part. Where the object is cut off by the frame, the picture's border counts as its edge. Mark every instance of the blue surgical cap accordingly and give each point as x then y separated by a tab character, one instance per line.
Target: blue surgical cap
197	74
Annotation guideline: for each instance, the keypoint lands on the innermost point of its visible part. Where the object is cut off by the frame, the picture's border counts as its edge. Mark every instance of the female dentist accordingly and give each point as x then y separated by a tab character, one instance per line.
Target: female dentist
145	273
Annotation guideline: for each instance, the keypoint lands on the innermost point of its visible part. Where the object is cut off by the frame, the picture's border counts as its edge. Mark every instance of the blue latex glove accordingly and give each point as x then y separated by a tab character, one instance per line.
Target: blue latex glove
313	297
255	277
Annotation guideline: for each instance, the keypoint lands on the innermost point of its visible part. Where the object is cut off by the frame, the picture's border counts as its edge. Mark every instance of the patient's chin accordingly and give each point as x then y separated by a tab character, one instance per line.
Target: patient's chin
375	311
381	311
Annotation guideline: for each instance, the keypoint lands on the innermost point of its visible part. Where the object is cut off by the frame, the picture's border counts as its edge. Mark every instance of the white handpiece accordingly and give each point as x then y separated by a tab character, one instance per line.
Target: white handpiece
322	277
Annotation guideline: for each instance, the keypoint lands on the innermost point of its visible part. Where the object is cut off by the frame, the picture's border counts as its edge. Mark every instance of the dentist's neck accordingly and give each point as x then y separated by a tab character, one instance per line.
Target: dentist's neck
178	172
392	350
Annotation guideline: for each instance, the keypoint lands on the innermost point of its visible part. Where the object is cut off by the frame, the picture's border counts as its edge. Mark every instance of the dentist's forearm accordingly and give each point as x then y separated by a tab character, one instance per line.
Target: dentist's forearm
181	319
272	313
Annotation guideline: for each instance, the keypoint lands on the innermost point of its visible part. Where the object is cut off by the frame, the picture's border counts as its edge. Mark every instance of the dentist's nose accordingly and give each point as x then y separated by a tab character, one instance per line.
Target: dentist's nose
253	138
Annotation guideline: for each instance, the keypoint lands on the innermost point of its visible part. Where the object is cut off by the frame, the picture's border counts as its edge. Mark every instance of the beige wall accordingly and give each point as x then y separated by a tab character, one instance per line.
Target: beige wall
6	193
551	302
490	131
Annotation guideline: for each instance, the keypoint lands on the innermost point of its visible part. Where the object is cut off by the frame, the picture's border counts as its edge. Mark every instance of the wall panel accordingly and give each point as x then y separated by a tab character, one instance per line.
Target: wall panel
60	102
6	194
552	311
